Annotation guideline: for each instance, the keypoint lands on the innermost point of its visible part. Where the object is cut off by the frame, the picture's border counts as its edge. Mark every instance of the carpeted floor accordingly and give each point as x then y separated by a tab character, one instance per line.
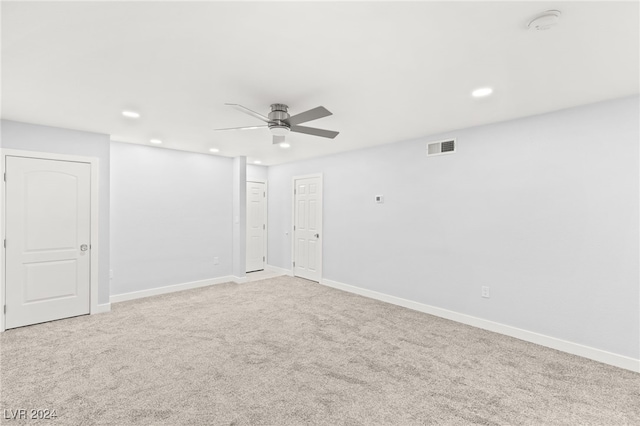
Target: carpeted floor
285	351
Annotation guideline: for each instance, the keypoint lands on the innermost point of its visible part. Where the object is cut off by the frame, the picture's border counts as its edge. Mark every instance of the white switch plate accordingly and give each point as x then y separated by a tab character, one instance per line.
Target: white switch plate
216	261
485	291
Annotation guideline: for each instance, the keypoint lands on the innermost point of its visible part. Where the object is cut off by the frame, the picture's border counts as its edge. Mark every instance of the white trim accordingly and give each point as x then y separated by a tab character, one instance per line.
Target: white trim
240	280
610	358
95	237
293	220
95	196
105	307
116	298
278	270
266	222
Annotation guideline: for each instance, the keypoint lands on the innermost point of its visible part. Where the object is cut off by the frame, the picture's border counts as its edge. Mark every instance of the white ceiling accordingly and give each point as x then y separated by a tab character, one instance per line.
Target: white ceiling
389	71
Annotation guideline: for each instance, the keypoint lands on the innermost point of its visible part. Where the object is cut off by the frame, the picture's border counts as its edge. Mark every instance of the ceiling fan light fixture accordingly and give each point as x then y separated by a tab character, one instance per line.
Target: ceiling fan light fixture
280	123
284	145
279	130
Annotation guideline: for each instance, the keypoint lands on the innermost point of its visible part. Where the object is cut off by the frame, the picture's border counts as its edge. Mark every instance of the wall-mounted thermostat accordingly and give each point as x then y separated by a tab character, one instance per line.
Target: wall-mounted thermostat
379	199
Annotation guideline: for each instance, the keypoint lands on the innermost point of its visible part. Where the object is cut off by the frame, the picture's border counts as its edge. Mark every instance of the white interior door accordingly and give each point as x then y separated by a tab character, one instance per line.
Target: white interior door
307	230
256	226
48	225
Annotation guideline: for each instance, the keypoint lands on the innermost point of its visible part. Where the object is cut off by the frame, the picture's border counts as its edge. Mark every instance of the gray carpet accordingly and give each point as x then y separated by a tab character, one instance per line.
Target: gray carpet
286	351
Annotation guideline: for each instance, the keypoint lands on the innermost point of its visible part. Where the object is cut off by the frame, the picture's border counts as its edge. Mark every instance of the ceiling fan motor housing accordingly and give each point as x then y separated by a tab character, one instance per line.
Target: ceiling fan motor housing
276	119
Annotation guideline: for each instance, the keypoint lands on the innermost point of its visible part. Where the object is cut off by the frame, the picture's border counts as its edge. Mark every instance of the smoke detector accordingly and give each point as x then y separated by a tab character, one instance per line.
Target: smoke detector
545	20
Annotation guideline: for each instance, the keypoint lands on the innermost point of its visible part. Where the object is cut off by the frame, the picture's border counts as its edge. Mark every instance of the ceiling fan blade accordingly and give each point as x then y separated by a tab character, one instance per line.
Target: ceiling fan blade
250	112
278	139
312	114
315	132
244	128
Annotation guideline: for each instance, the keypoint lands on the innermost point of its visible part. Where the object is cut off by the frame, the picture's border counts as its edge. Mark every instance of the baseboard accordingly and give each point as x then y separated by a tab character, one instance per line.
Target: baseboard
170	289
240	280
529	336
105	307
272	268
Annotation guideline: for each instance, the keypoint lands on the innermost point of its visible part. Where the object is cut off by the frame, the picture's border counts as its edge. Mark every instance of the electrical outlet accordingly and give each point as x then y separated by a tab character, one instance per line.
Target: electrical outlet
216	261
485	291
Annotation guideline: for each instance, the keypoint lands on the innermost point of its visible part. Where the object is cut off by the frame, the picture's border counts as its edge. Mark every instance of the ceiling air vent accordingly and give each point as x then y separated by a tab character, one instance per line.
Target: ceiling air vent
441	147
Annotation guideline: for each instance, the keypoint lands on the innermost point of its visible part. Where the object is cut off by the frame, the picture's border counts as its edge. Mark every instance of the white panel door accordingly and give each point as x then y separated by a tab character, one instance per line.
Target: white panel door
307	231
256	225
48	207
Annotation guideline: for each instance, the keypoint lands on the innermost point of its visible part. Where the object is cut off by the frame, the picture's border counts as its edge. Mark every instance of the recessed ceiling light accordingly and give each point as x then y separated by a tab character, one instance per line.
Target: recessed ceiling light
214	150
157	141
483	91
257	162
284	145
131	114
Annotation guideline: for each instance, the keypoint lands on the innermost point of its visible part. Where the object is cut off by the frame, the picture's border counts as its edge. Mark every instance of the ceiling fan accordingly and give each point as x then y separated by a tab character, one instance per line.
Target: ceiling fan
280	123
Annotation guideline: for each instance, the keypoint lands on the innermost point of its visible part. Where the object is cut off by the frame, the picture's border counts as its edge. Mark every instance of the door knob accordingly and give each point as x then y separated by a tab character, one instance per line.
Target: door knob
84	247
317	235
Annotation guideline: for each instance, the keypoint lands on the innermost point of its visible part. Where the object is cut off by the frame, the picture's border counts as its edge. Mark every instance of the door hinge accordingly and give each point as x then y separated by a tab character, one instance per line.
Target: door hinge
264	193
4	177
263	258
294	192
264	226
5	309
294	263
294	227
5	243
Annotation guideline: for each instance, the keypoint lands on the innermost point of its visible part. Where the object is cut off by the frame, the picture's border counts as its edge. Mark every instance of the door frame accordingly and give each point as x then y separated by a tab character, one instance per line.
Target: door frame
293	220
266	220
95	195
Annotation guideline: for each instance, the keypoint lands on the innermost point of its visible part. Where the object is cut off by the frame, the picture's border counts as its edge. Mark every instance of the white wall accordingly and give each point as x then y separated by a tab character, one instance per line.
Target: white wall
256	173
33	137
543	210
239	216
171	214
